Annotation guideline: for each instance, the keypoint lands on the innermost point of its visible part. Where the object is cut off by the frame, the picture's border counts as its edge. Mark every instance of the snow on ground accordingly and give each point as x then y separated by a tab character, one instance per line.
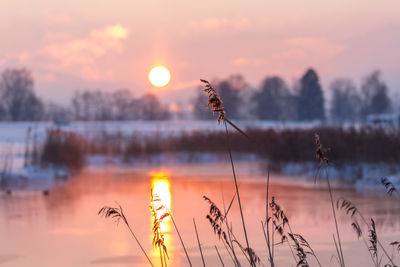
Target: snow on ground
13	143
14	135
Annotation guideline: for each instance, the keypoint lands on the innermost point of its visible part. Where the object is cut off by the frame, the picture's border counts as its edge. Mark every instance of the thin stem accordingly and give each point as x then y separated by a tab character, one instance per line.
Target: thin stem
291	249
165	260
246	255
161	258
337	250
237	191
267	241
180	238
372	257
234	261
334	216
229	232
198	242
271	260
234	126
383	249
273	243
219	256
137	240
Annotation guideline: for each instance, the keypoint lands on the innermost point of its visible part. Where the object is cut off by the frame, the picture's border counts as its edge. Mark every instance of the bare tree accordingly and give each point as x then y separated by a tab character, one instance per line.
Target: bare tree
345	102
274	100
375	98
17	95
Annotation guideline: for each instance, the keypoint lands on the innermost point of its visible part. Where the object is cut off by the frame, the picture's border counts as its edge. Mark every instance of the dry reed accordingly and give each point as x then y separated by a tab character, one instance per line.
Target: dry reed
156	207
118	214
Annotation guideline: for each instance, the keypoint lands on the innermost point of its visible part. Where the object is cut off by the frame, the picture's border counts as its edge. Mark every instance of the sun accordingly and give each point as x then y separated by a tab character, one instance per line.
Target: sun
159	76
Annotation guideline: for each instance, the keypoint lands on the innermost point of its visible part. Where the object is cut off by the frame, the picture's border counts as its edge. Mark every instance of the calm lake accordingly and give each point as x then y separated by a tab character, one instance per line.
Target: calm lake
63	228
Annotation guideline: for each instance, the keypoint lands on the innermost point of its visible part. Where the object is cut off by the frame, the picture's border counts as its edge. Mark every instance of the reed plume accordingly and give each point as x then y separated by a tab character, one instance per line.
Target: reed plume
353	211
214	101
324	162
118	214
373	239
158	213
396	244
321	151
217	219
280	223
390	188
301	253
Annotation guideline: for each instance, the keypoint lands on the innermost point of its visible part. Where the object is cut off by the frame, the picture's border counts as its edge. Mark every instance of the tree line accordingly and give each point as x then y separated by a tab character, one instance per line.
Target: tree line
20	103
305	101
273	100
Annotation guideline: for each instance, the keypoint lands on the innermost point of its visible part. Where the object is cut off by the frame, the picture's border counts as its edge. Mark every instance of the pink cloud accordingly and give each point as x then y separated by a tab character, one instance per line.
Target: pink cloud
245	61
319	46
77	56
217	25
54	17
86	50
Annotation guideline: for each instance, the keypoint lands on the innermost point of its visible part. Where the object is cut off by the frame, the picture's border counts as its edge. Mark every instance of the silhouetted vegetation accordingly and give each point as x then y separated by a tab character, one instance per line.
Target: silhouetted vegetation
364	145
285	145
118	105
64	149
231	90
375	98
345	103
274	100
18	100
310	105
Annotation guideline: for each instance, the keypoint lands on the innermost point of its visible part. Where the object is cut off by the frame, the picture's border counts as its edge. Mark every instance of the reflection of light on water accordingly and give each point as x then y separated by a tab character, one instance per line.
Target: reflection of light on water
160	188
161	202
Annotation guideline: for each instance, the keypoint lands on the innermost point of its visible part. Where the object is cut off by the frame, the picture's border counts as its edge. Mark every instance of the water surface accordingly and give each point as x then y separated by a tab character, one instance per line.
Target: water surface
63	228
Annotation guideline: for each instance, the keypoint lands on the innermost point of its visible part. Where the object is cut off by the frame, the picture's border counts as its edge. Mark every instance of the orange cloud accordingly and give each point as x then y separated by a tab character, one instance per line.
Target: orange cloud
86	50
78	57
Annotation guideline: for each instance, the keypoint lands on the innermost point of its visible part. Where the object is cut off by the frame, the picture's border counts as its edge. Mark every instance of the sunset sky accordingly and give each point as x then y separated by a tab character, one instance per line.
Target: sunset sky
103	44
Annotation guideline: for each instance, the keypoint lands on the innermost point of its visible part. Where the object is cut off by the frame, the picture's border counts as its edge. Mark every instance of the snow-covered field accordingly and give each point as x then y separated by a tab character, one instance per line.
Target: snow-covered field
14	135
14	139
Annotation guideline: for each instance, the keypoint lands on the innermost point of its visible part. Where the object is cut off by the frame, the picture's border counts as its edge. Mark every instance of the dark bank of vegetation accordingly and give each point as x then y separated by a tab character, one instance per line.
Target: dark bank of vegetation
64	149
364	145
273	100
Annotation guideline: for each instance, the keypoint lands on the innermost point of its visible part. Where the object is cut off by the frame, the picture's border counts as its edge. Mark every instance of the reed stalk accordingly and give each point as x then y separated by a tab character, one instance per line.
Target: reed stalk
271	260
180	238
237	191
198	242
219	256
118	214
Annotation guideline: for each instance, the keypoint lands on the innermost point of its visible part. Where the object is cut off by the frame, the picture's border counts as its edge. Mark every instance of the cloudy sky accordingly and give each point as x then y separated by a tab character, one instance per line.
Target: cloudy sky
104	44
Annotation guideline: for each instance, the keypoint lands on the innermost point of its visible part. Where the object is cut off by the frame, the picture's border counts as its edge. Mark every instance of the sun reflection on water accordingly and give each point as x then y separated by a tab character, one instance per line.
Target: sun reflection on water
160	189
160	203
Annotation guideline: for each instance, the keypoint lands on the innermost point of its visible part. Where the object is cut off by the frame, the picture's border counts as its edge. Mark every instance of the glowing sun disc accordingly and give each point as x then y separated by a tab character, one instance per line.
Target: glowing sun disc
159	76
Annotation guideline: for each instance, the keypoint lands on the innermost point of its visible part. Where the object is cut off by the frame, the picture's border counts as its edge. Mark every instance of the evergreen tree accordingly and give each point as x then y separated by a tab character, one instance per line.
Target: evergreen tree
310	105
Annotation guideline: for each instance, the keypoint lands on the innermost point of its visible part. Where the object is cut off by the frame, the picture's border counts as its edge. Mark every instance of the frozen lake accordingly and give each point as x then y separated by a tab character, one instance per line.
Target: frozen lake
63	228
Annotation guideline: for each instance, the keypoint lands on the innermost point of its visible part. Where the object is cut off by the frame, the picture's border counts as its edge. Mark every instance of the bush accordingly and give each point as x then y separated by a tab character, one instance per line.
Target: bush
64	149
